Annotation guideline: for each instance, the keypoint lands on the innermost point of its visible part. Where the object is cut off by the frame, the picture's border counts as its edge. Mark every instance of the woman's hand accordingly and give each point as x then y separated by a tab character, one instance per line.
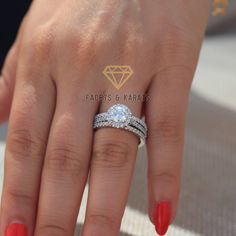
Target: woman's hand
54	69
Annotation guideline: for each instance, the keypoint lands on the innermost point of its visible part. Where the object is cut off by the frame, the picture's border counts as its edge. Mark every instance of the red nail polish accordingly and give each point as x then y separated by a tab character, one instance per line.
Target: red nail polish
16	230
162	217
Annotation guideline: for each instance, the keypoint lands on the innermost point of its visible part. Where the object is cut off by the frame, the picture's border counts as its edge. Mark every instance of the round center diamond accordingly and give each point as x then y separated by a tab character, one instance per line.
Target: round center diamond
119	115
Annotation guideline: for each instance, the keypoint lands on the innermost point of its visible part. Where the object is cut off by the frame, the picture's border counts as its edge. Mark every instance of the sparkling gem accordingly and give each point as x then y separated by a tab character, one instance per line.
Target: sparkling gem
119	115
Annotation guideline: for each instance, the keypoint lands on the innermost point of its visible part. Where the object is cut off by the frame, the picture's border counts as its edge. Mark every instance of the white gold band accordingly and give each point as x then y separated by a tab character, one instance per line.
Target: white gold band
120	116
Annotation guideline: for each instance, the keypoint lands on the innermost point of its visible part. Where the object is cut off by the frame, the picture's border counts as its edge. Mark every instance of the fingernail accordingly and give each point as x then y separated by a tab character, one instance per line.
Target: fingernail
16	229
162	215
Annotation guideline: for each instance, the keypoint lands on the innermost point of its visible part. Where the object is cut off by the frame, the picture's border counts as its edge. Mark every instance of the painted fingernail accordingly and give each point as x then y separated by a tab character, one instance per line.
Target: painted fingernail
16	229
162	217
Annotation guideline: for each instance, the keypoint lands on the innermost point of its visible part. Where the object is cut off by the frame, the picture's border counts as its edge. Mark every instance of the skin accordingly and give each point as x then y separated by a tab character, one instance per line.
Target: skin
58	57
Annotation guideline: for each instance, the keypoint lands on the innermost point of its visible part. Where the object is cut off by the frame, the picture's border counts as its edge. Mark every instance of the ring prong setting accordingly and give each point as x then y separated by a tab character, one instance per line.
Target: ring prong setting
119	116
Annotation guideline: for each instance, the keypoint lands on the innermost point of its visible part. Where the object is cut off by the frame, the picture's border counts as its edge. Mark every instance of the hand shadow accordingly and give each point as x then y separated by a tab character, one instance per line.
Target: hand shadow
3	132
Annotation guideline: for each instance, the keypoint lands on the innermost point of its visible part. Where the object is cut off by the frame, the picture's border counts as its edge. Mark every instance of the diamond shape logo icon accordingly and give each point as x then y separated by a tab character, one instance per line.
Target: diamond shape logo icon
118	75
220	7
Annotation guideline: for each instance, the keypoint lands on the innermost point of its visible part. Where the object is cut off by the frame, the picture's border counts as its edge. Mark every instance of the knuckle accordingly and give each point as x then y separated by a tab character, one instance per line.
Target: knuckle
128	47
176	46
87	51
86	47
64	155
39	43
101	220
111	154
52	229
20	197
174	38
23	144
168	129
42	42
66	159
165	177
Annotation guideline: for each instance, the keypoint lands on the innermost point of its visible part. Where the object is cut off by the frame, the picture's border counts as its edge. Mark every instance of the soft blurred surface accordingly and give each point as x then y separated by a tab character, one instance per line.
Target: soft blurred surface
220	23
207	203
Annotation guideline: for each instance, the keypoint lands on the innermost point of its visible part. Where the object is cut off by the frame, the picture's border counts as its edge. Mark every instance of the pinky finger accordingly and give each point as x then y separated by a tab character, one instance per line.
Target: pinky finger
8	75
7	82
165	118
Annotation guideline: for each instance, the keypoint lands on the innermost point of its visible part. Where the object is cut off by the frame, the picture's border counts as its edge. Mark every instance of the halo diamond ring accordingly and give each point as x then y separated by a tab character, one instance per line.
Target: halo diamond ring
120	116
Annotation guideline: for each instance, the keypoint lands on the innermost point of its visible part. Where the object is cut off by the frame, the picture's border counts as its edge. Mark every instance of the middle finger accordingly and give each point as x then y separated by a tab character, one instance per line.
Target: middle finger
66	164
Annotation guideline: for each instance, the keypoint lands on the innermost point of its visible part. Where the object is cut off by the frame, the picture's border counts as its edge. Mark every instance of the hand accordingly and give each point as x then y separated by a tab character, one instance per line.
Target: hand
57	60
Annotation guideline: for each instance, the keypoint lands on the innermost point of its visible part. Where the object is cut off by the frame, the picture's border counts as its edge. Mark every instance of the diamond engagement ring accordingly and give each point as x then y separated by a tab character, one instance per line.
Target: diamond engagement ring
120	116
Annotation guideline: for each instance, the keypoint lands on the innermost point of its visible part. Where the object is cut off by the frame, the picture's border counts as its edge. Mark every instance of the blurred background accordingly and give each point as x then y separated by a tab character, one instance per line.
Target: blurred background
208	195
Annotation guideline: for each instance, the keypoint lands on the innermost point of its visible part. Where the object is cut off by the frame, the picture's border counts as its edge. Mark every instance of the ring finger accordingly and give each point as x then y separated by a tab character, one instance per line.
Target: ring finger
66	164
112	164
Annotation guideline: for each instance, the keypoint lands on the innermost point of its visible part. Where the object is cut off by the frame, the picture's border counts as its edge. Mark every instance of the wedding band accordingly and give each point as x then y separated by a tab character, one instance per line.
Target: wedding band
120	116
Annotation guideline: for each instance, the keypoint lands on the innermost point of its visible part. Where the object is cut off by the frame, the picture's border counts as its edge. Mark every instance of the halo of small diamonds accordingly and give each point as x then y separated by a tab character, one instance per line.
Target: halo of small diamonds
119	116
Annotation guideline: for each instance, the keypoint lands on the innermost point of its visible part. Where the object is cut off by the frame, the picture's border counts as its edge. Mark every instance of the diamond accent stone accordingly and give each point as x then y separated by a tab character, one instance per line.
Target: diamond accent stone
119	116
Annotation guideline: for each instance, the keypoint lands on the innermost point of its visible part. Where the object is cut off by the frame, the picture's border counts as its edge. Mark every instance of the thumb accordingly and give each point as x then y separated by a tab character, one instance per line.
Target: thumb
7	82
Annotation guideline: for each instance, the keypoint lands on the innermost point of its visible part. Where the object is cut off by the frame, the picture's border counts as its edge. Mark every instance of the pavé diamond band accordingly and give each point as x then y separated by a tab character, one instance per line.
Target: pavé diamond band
120	116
